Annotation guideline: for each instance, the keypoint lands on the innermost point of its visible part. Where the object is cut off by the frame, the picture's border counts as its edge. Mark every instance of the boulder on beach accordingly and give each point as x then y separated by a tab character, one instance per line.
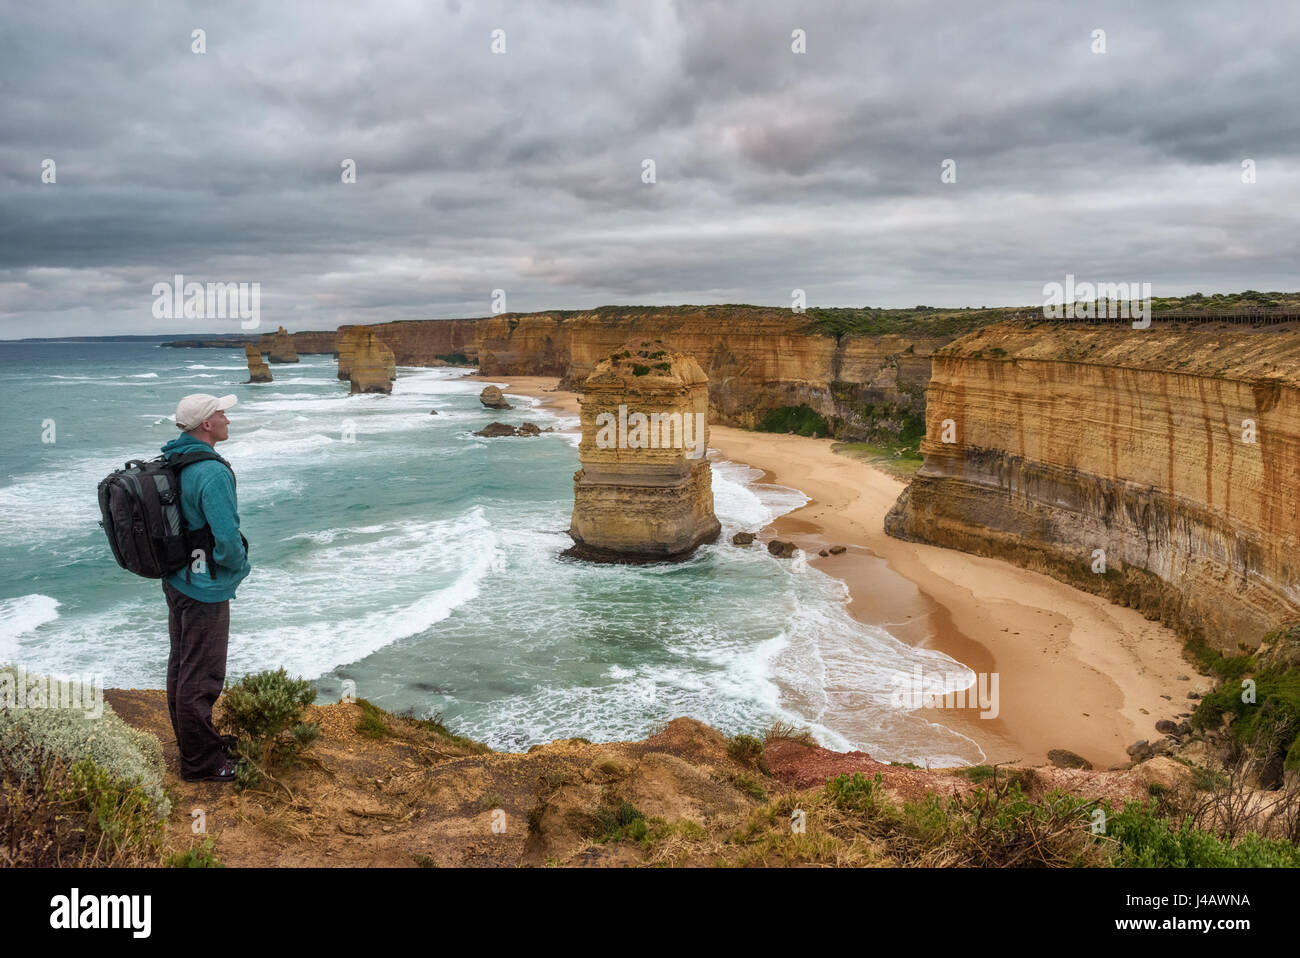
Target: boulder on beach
258	370
836	550
491	398
742	539
781	549
1064	758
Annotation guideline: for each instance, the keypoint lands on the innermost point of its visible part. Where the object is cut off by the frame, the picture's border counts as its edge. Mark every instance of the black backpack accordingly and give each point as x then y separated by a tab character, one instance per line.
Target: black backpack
141	506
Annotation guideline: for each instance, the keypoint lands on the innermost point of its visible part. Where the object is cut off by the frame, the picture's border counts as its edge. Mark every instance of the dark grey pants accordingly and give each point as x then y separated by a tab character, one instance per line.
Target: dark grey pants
196	672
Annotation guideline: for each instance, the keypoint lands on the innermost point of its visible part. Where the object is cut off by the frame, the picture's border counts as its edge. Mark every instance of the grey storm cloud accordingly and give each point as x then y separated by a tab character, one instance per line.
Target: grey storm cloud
523	171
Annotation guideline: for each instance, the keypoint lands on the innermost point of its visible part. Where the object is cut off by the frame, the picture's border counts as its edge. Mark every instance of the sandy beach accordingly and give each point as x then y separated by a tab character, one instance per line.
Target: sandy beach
1074	671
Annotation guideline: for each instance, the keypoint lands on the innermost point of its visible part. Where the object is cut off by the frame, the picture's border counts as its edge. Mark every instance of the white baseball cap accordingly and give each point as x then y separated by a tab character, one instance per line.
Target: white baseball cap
193	409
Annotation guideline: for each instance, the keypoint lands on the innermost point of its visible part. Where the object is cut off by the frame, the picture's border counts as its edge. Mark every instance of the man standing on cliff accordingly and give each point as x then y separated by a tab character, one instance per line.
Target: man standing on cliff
198	596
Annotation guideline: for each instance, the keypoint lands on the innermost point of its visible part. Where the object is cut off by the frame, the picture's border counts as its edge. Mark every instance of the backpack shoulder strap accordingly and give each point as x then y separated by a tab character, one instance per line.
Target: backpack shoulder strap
180	461
177	464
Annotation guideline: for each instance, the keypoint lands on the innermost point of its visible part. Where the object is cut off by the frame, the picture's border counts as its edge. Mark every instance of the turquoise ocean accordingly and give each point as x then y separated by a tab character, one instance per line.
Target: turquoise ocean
393	548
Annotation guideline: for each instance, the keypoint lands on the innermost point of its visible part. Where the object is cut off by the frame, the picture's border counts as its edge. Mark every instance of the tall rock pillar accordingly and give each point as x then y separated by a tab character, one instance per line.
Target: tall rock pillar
645	491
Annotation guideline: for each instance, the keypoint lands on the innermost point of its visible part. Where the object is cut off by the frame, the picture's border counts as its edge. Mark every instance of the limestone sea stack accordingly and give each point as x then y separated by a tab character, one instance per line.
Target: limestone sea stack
280	348
345	346
644	492
371	370
491	398
258	371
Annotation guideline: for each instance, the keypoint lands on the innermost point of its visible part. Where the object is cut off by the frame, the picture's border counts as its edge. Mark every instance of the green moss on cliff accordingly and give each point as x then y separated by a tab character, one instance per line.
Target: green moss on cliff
800	420
920	320
1262	694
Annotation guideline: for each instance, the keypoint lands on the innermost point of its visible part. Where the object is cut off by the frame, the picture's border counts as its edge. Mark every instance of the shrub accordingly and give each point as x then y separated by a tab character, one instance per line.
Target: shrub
371	724
856	792
1270	724
32	737
626	821
747	750
1148	840
265	713
78	815
200	856
781	730
750	785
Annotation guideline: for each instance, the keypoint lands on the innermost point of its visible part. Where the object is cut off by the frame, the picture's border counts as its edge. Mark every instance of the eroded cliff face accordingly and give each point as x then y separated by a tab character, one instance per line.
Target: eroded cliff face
311	341
1174	451
756	358
419	342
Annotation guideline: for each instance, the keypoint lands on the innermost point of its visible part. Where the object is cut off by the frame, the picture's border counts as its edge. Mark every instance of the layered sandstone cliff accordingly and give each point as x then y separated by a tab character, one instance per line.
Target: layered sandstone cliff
370	368
315	341
644	492
279	347
418	342
756	358
258	370
1158	467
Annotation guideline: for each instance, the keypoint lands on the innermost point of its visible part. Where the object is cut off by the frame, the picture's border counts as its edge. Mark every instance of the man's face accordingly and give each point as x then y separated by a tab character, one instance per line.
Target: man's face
218	426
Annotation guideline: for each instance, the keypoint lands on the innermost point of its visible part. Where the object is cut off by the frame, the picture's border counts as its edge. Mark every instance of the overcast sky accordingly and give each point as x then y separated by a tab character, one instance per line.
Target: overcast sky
522	170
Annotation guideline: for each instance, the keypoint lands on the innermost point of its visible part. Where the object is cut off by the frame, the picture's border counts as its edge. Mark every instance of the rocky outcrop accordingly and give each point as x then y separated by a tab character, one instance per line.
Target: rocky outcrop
491	398
496	430
644	492
279	347
370	365
1157	467
258	371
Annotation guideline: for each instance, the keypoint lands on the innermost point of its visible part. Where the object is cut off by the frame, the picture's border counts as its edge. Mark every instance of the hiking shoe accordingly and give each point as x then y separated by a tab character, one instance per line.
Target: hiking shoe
229	743
226	773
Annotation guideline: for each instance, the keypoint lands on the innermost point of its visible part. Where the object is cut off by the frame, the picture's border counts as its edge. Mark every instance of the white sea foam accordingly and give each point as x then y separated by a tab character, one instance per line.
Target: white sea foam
741	503
57	503
322	627
22	616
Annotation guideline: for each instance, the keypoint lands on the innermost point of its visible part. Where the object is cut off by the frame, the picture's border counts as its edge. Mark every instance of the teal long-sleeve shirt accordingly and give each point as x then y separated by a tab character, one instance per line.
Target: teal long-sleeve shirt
208	498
